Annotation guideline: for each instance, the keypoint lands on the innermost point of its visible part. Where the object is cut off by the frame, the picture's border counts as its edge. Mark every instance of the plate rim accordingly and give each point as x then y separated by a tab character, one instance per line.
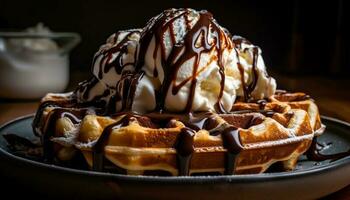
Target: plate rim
244	178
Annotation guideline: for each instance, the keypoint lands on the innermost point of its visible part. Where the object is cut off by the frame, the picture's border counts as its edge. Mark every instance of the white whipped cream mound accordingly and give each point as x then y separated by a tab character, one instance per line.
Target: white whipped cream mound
181	61
208	79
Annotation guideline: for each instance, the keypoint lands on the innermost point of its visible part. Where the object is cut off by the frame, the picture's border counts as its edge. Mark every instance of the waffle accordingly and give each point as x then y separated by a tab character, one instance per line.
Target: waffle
247	140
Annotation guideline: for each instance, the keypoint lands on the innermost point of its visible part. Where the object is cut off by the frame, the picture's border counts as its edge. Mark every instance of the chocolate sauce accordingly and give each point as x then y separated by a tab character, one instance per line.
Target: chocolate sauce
39	114
241	71
195	121
98	149
210	123
184	148
262	103
255	120
107	52
132	89
75	117
230	138
86	86
231	142
125	91
247	89
255	76
185	141
314	153
97	101
15	140
40	111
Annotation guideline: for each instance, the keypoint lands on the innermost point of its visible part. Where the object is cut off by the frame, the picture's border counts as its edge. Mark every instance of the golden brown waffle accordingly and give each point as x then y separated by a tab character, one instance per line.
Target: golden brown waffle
248	140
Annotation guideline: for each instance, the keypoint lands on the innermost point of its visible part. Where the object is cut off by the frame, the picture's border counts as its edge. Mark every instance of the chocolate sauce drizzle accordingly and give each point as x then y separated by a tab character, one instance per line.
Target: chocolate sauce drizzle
185	148
231	141
37	122
103	58
75	117
107	53
98	148
247	89
129	87
314	153
184	144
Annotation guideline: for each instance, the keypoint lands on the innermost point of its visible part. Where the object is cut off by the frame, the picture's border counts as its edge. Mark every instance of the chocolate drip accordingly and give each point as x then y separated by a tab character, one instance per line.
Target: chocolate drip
231	141
185	142
255	77
314	153
247	89
183	51
262	103
75	117
132	90
15	140
239	40
37	122
255	120
184	148
86	86
241	71
100	102
98	149
126	89
107	54
210	123
195	121
39	114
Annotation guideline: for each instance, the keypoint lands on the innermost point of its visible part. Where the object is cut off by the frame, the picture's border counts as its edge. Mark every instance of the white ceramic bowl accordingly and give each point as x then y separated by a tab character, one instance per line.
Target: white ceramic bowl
28	72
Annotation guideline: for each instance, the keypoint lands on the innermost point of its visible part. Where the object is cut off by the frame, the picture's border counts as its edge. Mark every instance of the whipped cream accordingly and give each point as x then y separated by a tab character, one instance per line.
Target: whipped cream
34	44
182	61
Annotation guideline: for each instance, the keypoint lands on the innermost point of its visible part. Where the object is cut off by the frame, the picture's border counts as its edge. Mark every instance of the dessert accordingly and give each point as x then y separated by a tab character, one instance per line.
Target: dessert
181	96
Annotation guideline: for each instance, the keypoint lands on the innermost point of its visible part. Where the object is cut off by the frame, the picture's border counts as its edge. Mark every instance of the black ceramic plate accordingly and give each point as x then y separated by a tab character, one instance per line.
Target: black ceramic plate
309	181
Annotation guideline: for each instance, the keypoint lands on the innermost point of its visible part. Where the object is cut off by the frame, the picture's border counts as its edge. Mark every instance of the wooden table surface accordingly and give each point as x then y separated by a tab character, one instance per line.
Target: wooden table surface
332	97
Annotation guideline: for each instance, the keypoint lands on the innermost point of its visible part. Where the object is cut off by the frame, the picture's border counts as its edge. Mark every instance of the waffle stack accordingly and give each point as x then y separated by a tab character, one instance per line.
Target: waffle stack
247	140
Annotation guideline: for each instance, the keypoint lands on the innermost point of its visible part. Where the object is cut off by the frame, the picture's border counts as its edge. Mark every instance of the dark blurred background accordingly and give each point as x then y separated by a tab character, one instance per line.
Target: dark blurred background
298	37
305	44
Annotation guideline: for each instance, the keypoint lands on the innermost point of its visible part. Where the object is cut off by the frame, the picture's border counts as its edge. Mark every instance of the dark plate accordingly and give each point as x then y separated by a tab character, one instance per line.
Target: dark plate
309	181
